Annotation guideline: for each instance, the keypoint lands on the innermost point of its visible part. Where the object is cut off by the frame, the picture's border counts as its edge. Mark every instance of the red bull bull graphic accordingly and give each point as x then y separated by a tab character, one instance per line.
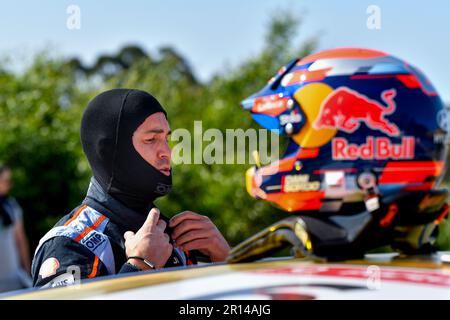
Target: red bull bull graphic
345	109
379	148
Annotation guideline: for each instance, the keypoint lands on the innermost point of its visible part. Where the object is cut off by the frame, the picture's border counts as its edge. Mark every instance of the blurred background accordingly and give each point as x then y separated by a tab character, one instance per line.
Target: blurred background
199	58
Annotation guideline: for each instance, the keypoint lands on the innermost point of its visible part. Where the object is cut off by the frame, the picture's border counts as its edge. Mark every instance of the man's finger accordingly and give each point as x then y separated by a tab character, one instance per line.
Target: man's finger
161	224
128	234
152	220
193	235
185	215
196	245
188	225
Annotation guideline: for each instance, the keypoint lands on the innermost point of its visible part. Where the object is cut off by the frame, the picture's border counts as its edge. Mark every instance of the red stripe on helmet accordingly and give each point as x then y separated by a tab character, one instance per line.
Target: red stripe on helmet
356	53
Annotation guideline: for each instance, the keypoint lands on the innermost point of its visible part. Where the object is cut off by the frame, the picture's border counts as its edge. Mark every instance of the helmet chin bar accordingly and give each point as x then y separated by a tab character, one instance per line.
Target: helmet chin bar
407	222
291	232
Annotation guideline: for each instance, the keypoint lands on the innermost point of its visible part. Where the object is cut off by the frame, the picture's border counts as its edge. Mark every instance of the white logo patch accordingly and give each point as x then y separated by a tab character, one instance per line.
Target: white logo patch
49	267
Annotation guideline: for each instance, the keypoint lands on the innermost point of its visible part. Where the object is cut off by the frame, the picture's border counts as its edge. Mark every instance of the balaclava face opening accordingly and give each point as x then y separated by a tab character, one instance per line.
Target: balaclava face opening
107	128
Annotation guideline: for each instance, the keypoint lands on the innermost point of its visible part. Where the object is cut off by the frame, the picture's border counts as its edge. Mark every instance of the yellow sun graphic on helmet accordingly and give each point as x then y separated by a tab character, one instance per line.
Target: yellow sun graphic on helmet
310	97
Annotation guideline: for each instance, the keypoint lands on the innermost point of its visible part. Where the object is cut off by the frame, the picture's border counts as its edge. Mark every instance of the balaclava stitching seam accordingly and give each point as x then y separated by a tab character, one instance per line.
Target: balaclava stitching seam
117	139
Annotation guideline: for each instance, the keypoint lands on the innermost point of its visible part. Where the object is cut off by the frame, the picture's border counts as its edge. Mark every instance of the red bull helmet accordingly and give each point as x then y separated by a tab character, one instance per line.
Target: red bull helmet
367	143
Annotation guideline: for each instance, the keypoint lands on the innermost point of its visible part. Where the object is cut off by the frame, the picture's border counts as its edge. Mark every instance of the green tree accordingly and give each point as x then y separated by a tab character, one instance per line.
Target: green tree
41	110
38	139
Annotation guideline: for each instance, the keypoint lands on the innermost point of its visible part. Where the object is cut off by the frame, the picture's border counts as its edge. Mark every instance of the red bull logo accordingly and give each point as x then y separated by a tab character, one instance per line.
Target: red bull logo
345	109
380	148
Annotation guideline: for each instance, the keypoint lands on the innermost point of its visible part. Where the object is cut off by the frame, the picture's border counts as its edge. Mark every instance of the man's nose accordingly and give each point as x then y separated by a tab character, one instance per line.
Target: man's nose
165	151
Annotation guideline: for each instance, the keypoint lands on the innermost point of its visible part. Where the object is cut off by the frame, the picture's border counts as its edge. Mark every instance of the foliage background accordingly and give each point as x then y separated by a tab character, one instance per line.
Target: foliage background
41	108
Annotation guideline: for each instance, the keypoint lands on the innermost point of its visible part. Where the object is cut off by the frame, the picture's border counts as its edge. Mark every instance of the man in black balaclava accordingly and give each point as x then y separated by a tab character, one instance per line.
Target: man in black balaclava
117	228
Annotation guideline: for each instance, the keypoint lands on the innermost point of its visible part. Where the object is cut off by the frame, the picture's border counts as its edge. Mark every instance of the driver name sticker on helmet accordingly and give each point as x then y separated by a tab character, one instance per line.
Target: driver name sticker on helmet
299	182
379	148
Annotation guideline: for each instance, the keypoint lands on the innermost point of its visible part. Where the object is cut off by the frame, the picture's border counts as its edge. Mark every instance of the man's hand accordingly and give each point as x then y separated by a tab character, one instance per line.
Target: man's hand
192	231
150	242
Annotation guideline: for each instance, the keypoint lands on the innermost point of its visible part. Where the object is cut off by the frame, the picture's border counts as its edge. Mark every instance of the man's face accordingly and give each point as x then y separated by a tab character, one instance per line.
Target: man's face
151	141
5	182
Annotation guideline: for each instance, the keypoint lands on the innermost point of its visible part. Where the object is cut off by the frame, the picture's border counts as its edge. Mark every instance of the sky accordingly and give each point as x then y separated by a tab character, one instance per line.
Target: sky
214	34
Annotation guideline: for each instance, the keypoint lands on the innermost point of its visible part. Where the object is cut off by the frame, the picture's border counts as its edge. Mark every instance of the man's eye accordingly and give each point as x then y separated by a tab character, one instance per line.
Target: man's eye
149	140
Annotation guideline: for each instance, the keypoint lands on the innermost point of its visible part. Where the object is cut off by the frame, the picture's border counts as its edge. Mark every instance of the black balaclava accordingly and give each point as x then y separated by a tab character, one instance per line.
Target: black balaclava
107	128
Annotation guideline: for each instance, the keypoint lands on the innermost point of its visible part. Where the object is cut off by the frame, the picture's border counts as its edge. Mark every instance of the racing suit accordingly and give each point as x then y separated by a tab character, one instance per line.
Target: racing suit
89	242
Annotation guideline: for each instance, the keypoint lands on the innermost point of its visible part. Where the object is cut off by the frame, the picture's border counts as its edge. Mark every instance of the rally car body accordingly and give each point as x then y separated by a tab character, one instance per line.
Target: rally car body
377	276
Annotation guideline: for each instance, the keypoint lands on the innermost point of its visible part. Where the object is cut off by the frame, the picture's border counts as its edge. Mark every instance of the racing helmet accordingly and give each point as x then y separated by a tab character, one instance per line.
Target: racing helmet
366	133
